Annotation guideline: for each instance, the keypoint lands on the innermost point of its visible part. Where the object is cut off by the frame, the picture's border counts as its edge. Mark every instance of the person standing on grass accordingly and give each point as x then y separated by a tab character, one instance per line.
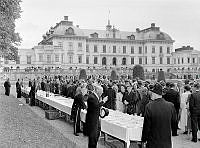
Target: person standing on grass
7	86
18	89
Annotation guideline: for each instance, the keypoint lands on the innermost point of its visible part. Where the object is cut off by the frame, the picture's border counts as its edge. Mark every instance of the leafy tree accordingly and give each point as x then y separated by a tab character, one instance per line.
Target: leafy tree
83	74
9	11
113	75
138	72
161	76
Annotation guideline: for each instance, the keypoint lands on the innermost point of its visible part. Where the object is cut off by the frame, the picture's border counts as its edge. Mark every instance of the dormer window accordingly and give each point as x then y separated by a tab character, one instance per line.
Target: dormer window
131	37
94	35
70	31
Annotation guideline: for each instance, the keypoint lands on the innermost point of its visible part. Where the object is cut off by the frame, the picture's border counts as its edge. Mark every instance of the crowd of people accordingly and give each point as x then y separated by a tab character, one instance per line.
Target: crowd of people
165	106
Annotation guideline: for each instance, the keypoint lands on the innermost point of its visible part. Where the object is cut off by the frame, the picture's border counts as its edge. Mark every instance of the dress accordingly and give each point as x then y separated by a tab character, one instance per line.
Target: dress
184	110
119	103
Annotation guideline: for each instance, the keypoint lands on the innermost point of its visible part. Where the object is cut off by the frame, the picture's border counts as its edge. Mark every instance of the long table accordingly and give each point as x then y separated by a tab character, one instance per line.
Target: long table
117	124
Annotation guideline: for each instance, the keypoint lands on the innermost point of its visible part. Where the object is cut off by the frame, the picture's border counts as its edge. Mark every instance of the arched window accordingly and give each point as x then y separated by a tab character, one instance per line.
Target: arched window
70	31
153	70
104	61
124	61
114	61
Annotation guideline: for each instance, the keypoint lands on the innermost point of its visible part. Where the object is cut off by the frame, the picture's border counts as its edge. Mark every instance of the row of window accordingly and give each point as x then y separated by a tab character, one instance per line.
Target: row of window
182	61
124	61
49	57
132	49
95	47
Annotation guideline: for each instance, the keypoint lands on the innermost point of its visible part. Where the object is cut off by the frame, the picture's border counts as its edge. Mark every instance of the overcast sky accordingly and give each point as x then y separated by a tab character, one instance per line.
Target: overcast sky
179	18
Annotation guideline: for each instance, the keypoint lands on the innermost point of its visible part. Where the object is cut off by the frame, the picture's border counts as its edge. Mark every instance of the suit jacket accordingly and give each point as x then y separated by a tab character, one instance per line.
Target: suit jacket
92	116
173	96
194	103
159	115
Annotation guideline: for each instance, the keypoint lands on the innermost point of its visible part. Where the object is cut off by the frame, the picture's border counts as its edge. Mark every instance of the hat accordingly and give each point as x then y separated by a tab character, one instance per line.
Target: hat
157	88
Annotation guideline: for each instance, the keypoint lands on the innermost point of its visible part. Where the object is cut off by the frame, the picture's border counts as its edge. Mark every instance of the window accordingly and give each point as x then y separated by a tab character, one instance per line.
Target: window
18	60
193	60
104	61
48	58
188	60
60	44
95	48
145	60
114	61
153	70
62	58
168	60
95	60
182	60
161	60
132	60
140	60
79	45
124	61
124	49
80	59
153	49
40	57
70	59
28	59
87	48
87	60
104	48
114	49
132	49
6	61
153	60
168	50
70	46
161	49
145	49
140	50
178	60
57	58
174	61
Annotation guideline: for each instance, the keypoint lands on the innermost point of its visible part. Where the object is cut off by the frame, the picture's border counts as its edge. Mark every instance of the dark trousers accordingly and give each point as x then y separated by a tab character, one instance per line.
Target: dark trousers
7	91
77	121
195	124
93	137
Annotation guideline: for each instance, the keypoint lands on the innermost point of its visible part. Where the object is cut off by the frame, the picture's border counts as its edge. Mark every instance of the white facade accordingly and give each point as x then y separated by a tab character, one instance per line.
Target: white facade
67	46
186	62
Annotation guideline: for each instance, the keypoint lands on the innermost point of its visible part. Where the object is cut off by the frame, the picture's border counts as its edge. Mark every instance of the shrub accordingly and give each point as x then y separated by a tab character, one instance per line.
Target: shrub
138	72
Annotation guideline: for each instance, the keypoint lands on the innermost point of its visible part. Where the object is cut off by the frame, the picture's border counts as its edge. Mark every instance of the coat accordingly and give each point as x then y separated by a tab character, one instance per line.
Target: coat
173	96
194	103
7	86
18	89
92	127
111	102
159	115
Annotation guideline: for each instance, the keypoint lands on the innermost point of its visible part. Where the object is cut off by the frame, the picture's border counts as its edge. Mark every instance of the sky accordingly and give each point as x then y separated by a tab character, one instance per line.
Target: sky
178	18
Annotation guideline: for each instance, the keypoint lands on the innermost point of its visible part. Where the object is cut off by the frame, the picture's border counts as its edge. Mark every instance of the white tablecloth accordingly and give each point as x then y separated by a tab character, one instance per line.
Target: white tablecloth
123	126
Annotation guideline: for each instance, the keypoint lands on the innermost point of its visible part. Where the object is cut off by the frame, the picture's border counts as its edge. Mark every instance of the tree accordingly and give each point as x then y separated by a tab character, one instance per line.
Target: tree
138	72
9	11
82	74
161	76
113	75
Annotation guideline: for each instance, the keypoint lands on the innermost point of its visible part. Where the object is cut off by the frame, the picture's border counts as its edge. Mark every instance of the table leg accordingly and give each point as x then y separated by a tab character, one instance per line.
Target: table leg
127	144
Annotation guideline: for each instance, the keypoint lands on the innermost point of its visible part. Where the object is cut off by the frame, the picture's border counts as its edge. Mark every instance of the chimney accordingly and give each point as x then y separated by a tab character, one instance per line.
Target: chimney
153	25
66	18
137	30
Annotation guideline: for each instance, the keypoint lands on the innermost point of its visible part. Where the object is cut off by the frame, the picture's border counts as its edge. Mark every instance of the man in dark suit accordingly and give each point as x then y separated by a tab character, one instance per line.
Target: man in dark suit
159	115
173	96
93	126
194	108
111	103
7	86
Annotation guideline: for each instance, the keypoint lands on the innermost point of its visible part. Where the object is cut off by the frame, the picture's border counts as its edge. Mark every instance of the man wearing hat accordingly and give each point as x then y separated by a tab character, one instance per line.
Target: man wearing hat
158	118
